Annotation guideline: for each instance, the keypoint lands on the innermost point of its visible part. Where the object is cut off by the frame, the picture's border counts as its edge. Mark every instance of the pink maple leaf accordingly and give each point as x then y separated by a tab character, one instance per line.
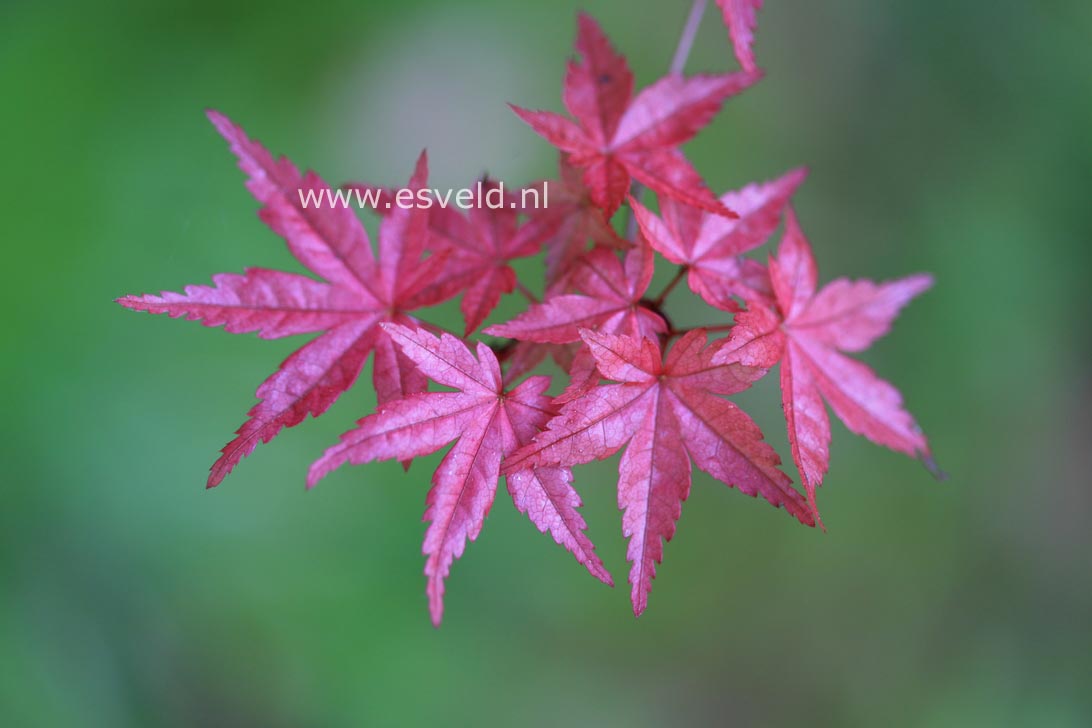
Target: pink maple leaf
617	136
666	413
360	292
845	316
568	222
610	301
478	247
486	423
710	246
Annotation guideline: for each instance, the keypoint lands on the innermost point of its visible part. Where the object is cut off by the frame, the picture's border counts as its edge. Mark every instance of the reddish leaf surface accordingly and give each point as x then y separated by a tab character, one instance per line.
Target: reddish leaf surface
361	292
710	246
486	423
567	223
478	247
664	407
610	302
845	316
618	137
666	413
739	16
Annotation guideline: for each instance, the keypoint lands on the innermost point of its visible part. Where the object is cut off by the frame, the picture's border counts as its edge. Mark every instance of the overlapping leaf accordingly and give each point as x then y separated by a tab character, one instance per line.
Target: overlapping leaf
845	316
360	292
610	301
710	246
486	423
618	137
568	220
478	245
666	413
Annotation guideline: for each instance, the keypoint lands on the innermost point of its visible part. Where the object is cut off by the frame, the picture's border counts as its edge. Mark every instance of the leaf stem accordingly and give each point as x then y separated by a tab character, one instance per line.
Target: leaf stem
672	333
503	350
435	329
637	190
679	274
527	293
686	40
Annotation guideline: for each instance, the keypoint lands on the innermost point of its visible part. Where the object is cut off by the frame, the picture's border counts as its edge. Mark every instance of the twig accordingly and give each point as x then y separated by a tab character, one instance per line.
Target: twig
686	40
672	333
527	293
637	190
679	275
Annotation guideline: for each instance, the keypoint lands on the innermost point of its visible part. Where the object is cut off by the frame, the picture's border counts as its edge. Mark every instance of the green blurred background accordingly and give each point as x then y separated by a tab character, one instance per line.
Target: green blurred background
948	137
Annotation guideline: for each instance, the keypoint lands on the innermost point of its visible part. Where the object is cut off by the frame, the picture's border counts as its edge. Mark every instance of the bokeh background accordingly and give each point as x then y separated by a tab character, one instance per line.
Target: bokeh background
947	137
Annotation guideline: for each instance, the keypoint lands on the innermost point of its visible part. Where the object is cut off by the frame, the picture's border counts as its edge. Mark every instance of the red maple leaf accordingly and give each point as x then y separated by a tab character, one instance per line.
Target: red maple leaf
666	413
739	16
814	327
610	301
617	136
360	293
486	423
710	246
478	246
568	222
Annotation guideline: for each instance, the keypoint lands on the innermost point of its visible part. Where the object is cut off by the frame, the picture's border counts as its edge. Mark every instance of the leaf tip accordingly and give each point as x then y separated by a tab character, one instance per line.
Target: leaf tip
315	473
220	120
930	463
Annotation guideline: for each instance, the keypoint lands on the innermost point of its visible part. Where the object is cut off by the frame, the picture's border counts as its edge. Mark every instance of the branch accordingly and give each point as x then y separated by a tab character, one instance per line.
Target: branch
686	40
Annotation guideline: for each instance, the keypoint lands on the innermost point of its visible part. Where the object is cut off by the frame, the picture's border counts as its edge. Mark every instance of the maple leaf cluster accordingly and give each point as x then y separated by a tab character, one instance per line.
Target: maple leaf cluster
635	382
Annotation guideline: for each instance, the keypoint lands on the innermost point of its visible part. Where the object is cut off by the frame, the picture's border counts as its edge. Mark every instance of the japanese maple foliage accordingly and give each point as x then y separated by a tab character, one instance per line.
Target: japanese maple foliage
667	414
710	247
814	326
478	247
633	380
569	223
618	136
361	292
487	424
609	299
